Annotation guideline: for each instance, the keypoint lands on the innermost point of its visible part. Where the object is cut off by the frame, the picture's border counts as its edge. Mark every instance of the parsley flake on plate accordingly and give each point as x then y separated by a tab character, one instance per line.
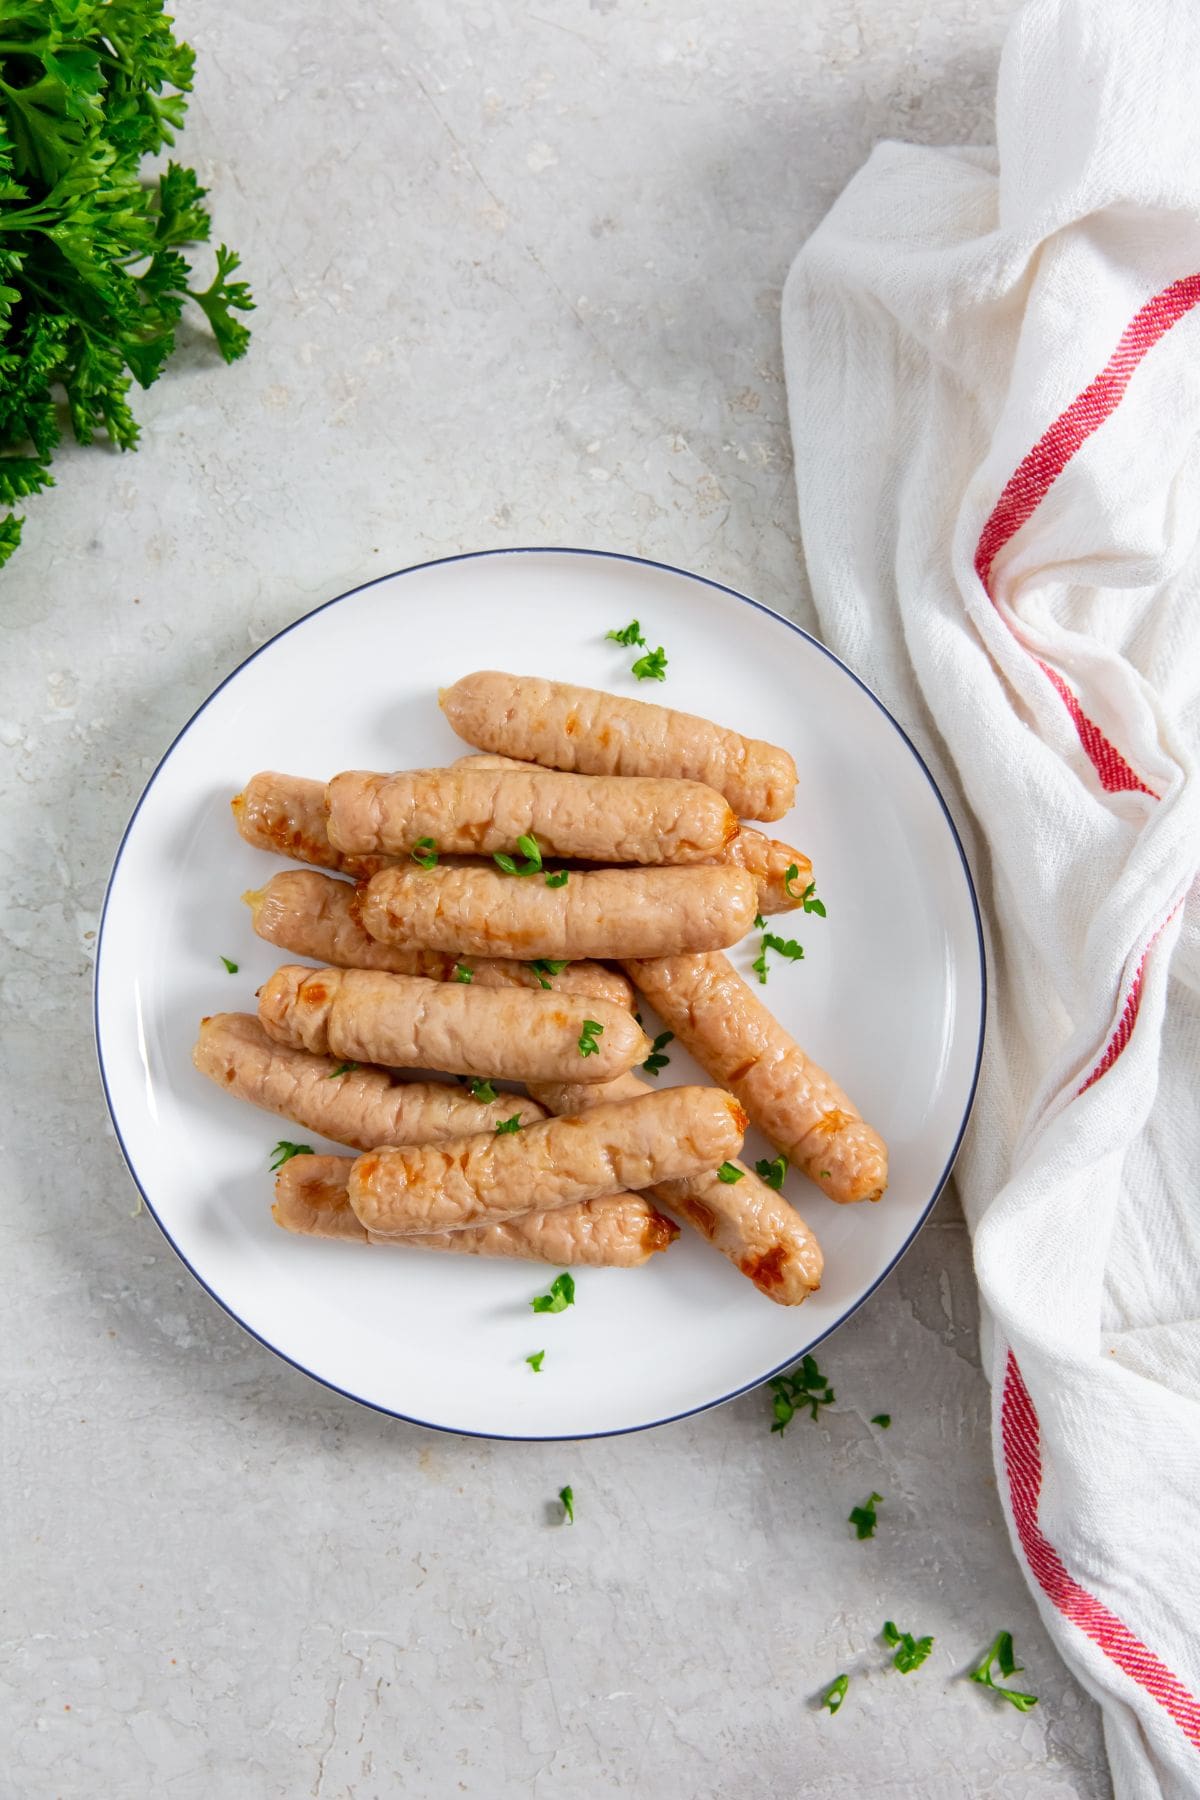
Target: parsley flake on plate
652	666
628	635
560	1296
772	1172
656	1060
231	967
535	1361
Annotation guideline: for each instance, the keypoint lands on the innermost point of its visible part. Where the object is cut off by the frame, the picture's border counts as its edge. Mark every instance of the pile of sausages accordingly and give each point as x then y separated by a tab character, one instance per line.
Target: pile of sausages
615	837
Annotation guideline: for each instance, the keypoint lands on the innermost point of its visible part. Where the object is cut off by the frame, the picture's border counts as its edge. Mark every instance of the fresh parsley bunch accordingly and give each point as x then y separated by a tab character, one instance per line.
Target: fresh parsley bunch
92	279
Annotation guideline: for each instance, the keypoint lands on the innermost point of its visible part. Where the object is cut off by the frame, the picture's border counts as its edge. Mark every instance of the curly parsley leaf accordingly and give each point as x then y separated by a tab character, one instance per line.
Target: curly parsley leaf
863	1517
284	1152
910	1652
463	974
480	1089
587	1045
509	1125
810	903
656	1060
798	1388
652	666
560	1296
628	635
1000	1651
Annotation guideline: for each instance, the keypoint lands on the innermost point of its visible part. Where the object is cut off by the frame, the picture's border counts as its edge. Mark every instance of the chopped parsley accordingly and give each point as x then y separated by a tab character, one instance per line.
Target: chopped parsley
883	1419
910	1652
656	1060
507	1125
729	1173
809	901
863	1517
652	666
835	1693
772	1172
480	1089
424	853
561	1295
567	1496
1000	1650
797	1388
231	967
558	879
783	946
628	635
588	1046
759	965
462	973
284	1152
543	970
342	1069
535	1361
530	850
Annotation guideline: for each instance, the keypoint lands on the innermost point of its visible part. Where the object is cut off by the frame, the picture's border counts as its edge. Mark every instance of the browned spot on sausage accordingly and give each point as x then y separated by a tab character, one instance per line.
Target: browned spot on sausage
768	1270
571	724
738	1113
658	1232
230	1075
560	1018
701	1216
830	1123
367	1167
313	994
206	1018
742	1069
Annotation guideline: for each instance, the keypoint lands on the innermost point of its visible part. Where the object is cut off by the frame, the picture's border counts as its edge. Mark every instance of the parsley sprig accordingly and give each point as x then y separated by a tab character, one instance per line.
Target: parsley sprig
284	1152
1000	1651
530	850
650	667
93	279
560	1296
587	1045
808	897
656	1060
803	1386
481	1089
773	1171
628	635
543	969
509	1125
729	1173
863	1517
910	1651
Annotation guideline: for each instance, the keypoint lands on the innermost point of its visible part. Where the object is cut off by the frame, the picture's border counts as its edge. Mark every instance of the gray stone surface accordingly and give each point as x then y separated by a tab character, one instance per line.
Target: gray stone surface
518	276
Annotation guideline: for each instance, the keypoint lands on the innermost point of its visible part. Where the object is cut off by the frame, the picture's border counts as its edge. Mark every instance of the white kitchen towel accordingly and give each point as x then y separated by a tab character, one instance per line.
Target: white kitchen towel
993	362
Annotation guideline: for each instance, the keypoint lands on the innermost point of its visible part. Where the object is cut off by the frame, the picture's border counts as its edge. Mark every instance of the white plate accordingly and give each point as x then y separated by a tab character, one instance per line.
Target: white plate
889	998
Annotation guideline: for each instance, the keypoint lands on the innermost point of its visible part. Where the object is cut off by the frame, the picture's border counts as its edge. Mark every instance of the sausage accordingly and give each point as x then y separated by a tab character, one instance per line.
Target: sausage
406	1022
592	733
362	1108
317	915
597	912
768	859
312	1196
473	811
559	1162
724	1024
745	1220
286	814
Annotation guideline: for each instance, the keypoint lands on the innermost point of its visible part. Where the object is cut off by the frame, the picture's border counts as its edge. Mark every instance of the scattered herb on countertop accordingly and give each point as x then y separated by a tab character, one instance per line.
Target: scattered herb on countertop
561	1295
343	1069
656	1060
425	853
284	1152
652	666
567	1496
544	969
1000	1650
507	1125
588	1046
231	966
729	1173
835	1693
910	1652
772	1172
535	1361
883	1419
863	1517
803	1386
530	850
93	281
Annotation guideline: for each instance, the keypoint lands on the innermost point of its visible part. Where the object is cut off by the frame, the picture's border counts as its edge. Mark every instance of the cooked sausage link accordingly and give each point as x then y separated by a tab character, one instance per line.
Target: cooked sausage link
471	811
362	1107
406	1022
719	1018
768	859
318	916
597	912
745	1220
286	814
582	729
475	1180
312	1196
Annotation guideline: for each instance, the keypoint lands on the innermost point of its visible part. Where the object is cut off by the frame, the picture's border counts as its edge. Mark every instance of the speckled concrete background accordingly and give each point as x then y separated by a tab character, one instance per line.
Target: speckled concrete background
518	277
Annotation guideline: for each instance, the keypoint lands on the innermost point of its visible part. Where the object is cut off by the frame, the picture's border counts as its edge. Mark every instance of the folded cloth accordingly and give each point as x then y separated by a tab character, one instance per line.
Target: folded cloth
993	363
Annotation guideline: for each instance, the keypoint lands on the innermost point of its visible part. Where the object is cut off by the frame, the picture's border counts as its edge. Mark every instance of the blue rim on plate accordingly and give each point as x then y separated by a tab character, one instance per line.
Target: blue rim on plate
746	600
